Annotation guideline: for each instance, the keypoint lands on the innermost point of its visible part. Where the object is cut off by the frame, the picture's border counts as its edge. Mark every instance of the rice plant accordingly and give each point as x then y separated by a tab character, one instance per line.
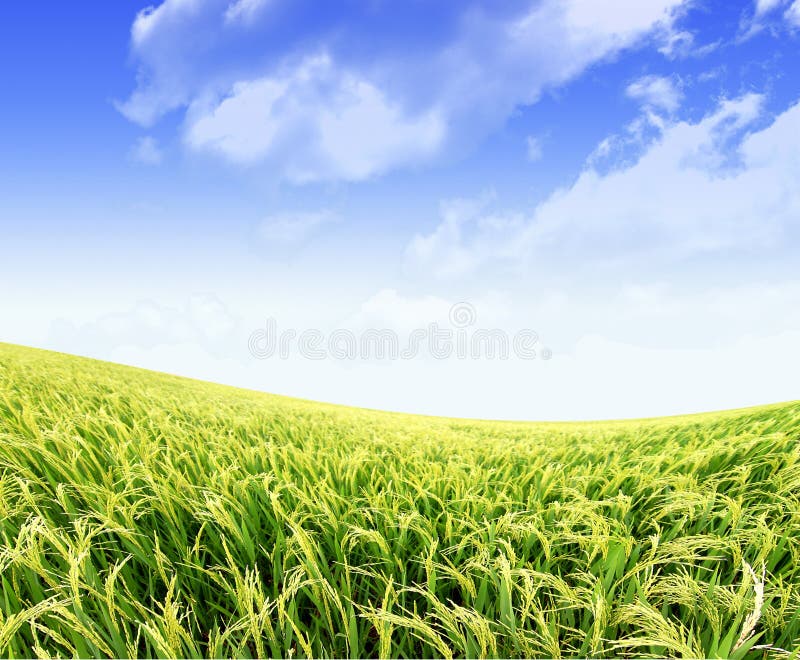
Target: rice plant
145	515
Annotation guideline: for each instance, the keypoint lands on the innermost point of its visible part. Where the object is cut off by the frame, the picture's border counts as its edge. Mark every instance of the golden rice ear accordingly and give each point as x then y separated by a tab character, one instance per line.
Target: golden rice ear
750	623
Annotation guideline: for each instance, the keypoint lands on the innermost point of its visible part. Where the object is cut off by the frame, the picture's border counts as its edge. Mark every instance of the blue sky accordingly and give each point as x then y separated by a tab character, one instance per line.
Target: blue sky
620	177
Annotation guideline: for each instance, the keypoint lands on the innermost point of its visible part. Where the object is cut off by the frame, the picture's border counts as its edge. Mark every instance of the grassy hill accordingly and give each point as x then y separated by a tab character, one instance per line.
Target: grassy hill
148	515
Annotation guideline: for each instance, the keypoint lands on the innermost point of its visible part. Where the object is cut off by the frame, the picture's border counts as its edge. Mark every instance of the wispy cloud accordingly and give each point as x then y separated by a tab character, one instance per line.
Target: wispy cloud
146	151
244	11
656	92
533	148
770	14
292	229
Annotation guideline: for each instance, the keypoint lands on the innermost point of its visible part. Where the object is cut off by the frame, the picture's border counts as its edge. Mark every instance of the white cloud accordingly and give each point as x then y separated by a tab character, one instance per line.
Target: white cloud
533	148
146	151
203	319
601	379
388	308
621	21
599	373
244	11
467	236
495	67
793	14
606	353
335	117
764	15
338	125
766	6
698	188
163	79
656	92
677	44
288	229
633	348
152	18
240	126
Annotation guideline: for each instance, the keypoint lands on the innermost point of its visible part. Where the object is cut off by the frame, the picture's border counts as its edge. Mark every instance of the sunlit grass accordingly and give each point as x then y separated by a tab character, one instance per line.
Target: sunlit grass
147	515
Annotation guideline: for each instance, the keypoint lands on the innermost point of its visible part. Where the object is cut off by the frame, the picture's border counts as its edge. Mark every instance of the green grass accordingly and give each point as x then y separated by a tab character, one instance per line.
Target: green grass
148	515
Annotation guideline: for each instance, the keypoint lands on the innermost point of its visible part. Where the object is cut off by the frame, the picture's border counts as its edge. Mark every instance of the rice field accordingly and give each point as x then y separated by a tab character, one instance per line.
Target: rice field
145	515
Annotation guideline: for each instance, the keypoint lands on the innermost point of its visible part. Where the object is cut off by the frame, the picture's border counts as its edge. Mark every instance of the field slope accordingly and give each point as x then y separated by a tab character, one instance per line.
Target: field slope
148	515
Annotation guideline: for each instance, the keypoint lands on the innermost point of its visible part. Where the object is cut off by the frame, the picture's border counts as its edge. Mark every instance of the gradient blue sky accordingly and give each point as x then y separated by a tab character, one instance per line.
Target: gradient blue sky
621	177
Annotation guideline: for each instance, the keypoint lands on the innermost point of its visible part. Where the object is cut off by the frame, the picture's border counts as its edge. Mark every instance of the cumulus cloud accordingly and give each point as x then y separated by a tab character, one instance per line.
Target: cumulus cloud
337	114
146	151
163	78
655	92
720	183
322	123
